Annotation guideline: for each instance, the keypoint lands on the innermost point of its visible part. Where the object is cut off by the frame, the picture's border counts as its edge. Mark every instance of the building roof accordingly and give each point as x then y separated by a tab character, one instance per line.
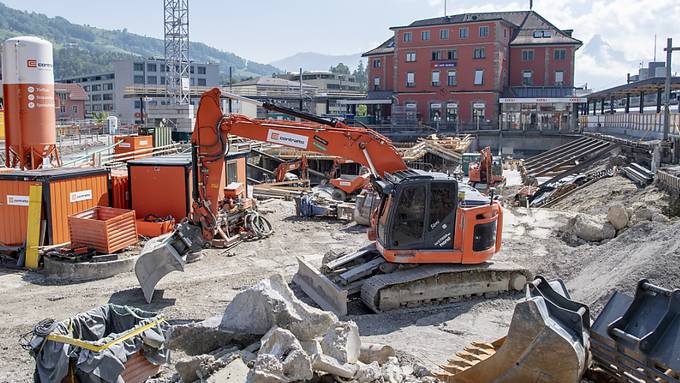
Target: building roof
75	91
272	81
384	48
530	28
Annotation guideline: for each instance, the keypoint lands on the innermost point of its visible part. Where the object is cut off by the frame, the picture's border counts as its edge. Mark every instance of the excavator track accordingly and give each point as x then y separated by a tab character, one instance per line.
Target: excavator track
437	284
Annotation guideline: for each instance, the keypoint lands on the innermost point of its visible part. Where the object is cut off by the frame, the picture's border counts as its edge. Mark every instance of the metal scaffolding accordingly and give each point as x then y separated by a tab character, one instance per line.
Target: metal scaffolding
176	19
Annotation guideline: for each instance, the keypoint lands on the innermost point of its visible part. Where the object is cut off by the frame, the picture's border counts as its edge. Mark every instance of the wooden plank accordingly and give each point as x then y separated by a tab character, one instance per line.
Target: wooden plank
33	226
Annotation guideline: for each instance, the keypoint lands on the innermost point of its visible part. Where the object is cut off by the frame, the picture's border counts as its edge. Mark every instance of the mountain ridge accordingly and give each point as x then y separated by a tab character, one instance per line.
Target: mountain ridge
83	49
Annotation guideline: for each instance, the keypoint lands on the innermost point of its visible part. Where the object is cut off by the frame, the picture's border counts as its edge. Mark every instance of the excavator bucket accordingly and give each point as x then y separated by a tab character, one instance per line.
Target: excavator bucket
158	259
163	255
548	341
638	339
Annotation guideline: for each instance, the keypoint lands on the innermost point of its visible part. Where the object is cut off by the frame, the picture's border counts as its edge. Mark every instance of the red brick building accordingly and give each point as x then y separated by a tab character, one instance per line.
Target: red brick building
70	102
456	71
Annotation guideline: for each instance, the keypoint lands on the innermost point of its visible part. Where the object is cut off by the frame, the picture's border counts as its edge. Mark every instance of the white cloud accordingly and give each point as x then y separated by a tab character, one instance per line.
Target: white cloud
628	26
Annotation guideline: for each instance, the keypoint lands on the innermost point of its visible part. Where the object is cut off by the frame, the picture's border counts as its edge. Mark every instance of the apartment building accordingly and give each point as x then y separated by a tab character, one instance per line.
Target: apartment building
458	70
70	104
106	91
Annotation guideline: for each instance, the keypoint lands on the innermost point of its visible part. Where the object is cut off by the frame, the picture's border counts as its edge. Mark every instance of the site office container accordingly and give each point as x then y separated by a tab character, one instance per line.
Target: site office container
65	191
162	186
134	143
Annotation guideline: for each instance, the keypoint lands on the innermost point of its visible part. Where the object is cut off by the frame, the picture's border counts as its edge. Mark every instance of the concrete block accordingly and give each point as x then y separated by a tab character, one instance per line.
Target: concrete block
271	303
87	271
371	352
342	342
205	337
588	229
236	372
325	363
281	360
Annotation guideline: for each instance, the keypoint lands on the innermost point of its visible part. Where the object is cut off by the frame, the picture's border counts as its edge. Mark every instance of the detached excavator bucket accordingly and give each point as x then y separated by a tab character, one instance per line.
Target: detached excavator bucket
638	339
548	341
158	258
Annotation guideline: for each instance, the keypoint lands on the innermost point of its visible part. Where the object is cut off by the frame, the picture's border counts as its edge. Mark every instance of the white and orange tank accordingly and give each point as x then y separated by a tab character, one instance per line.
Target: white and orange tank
28	86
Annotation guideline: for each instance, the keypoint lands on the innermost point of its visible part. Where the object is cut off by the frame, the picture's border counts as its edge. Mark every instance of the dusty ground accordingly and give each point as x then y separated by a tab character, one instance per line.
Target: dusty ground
431	335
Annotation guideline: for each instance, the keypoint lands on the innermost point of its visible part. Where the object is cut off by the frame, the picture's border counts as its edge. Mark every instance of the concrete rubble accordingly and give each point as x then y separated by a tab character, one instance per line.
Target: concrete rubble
272	303
297	343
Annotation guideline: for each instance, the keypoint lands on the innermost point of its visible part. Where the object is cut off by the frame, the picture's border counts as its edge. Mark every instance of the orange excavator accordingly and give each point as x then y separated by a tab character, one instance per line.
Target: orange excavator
487	173
284	168
433	238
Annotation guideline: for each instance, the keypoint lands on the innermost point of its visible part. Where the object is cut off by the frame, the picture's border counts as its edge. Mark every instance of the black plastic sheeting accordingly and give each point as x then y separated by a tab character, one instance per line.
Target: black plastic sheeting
98	327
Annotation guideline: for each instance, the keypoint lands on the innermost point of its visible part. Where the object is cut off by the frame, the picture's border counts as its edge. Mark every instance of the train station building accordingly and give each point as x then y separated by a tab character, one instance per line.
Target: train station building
476	71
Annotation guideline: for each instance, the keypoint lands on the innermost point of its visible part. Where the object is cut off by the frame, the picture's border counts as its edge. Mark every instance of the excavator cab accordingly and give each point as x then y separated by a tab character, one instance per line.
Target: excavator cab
419	212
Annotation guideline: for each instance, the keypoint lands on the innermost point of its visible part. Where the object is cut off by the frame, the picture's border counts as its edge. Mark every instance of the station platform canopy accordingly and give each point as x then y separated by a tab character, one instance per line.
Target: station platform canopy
648	86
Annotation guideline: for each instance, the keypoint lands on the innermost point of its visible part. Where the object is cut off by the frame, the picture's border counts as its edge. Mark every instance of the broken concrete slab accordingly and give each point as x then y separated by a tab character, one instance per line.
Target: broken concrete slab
271	303
206	336
281	359
371	352
368	373
236	372
188	368
328	364
342	342
591	230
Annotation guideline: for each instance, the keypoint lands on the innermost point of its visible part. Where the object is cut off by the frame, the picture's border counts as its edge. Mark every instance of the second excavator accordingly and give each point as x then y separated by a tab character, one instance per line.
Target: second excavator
433	238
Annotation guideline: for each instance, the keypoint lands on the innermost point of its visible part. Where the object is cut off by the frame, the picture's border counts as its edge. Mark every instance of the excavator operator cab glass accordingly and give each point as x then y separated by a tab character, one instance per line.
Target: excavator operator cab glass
419	215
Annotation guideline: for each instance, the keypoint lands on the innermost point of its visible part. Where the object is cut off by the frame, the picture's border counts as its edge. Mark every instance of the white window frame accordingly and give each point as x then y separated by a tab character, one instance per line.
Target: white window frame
444	34
410	57
425	34
452	75
479	77
410	79
464	32
559	82
484	28
436	78
408	37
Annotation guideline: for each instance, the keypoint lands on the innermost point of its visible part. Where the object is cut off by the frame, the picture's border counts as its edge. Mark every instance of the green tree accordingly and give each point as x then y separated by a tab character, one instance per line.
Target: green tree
361	76
340	69
101	117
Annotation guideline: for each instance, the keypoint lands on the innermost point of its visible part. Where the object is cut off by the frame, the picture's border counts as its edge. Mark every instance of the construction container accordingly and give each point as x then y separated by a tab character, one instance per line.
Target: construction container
120	189
65	191
133	147
162	136
161	186
104	229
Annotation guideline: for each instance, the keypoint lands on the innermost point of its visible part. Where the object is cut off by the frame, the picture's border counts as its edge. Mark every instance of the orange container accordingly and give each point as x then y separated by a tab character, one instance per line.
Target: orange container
161	186
154	229
103	228
132	144
120	190
65	191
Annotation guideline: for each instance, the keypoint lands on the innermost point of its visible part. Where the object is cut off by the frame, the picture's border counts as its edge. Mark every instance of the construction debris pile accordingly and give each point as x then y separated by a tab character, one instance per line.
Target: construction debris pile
292	342
446	148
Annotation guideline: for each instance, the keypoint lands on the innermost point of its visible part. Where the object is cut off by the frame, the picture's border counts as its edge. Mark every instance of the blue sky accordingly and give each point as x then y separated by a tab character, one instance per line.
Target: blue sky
267	30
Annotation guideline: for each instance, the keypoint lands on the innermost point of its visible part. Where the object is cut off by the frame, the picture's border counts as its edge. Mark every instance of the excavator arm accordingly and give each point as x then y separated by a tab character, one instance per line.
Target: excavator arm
330	137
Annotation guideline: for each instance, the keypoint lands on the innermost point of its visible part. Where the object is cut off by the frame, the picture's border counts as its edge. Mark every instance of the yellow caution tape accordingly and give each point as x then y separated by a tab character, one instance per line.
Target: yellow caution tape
88	346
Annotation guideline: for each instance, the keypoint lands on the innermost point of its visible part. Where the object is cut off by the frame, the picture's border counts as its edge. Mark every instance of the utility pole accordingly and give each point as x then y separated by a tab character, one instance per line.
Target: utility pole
667	104
445	12
230	91
301	100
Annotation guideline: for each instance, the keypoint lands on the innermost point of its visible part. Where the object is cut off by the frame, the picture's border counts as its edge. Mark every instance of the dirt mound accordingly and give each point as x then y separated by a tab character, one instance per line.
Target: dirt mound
648	250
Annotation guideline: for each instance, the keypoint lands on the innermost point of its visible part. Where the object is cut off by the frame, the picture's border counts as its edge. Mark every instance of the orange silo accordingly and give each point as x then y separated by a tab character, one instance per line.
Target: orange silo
28	85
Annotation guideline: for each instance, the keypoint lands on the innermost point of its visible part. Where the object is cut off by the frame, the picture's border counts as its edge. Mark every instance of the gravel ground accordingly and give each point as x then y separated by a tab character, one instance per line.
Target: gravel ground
431	335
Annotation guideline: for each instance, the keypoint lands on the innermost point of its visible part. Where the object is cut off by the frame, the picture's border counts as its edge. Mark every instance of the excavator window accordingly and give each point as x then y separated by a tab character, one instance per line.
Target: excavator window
442	204
410	216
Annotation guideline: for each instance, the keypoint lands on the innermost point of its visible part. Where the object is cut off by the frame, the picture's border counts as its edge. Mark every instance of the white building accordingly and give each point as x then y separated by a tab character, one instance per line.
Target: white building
106	91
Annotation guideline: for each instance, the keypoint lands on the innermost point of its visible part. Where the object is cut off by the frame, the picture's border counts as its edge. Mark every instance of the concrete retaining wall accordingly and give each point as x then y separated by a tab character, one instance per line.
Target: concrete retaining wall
87	271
